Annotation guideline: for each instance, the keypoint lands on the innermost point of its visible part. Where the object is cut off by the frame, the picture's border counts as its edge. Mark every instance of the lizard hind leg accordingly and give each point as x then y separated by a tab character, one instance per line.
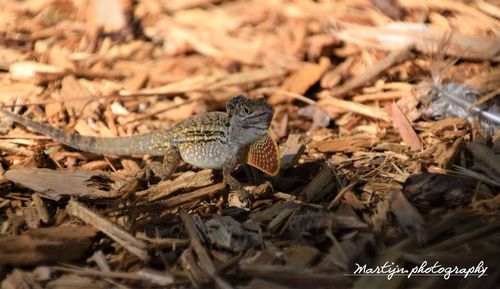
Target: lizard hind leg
164	169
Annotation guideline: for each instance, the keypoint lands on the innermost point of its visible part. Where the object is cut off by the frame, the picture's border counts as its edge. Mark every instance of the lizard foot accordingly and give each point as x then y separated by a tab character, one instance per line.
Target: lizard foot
150	177
163	170
150	173
240	199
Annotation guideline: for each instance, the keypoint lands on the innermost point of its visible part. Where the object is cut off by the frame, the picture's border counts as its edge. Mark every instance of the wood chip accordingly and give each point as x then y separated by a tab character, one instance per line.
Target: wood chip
74	94
408	217
391	59
330	104
205	260
301	80
486	159
54	185
113	231
344	144
55	244
121	68
292	150
325	182
405	128
34	72
187	180
301	256
193	196
424	38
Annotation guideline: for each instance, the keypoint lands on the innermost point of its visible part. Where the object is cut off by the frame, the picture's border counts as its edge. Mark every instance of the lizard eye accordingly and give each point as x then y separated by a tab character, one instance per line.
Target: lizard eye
245	109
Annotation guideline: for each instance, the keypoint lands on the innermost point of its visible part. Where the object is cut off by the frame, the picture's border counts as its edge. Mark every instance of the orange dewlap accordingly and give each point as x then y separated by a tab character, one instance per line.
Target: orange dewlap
264	155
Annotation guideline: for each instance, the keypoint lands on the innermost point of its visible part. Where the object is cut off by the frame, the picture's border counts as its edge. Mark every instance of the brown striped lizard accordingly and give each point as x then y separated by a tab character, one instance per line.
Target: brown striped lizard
217	140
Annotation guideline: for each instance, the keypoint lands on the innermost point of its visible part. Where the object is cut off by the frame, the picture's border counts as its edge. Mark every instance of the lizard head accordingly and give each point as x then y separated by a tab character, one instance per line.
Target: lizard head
249	118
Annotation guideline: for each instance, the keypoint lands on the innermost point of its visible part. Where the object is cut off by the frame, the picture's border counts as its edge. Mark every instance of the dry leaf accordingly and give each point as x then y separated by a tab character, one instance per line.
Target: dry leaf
405	128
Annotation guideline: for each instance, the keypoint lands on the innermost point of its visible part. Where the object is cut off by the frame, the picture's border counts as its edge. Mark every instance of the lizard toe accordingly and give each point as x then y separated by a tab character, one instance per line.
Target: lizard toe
240	199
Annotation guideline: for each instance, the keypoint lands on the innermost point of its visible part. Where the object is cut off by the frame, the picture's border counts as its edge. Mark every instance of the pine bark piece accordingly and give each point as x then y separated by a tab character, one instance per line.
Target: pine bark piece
212	82
110	16
75	96
54	244
193	196
298	278
152	276
226	233
347	144
194	272
113	231
34	72
486	159
31	217
292	150
325	181
281	219
40	207
347	218
390	8
270	213
302	79
310	227
259	283
408	134
424	39
310	73
76	281
54	185
202	254
407	216
159	278
19	279
301	256
333	104
426	191
486	81
393	58
185	181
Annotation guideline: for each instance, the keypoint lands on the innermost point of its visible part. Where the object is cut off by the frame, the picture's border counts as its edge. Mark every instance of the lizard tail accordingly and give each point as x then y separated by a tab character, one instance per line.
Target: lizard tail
137	144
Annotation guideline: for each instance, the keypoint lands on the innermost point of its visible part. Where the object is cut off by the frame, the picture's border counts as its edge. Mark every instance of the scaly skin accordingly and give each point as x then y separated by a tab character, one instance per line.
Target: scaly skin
214	140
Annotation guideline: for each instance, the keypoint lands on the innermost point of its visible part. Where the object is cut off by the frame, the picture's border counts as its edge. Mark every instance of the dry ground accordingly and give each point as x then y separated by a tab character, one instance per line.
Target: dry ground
351	83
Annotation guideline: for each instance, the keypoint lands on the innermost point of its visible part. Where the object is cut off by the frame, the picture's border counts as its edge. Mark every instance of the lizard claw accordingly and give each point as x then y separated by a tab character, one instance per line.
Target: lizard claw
149	176
240	199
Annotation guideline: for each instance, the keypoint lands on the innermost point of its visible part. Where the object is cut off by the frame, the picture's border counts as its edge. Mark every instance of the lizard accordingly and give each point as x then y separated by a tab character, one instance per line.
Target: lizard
216	140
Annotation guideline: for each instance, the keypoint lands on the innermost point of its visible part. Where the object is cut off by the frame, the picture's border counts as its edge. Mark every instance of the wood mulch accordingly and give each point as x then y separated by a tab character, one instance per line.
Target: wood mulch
369	175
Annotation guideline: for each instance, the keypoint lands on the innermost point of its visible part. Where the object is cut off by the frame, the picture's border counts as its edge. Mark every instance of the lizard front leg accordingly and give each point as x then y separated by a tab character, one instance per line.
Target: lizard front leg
239	197
164	169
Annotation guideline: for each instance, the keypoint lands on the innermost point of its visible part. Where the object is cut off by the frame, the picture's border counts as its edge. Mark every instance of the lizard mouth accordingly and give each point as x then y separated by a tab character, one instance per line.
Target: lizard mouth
258	115
266	111
261	119
257	123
